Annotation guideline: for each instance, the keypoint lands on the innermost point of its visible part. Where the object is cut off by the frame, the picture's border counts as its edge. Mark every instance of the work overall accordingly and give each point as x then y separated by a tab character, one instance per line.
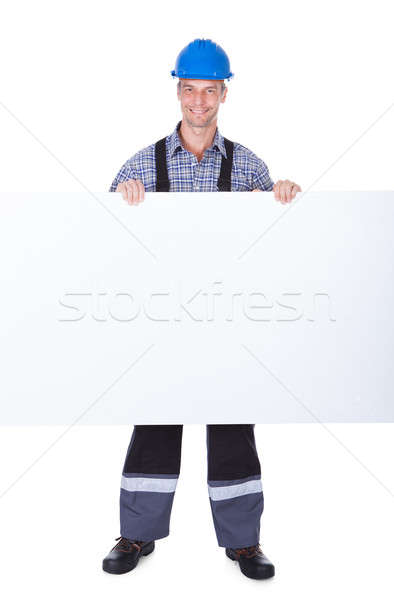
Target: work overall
151	469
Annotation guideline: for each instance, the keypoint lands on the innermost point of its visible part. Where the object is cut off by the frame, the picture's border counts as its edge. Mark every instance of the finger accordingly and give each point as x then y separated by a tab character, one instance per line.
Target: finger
283	191
276	190
294	189
141	190
131	192
137	192
122	189
288	193
288	186
126	192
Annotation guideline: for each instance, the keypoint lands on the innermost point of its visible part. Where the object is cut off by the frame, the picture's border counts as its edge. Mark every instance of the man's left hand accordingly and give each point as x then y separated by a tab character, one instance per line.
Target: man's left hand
284	191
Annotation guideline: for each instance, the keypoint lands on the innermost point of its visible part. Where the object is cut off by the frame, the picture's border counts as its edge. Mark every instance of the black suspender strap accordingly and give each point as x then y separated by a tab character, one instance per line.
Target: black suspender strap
162	181
224	181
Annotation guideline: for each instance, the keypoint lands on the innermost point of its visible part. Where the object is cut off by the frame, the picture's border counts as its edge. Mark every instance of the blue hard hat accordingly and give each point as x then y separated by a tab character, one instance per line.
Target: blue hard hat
202	59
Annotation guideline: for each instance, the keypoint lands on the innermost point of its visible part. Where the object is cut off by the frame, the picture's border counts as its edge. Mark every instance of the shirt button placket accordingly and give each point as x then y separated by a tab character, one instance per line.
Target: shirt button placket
196	175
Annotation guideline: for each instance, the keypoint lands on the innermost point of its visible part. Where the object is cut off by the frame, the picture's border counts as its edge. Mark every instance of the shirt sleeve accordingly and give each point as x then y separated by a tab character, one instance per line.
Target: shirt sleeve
262	179
126	172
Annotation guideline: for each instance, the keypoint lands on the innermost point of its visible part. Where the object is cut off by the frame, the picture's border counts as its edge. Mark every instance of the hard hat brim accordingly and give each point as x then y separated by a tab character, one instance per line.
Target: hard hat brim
206	77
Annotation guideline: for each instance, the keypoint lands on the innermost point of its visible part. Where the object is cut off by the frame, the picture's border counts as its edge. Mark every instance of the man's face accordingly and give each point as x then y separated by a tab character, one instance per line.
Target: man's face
200	100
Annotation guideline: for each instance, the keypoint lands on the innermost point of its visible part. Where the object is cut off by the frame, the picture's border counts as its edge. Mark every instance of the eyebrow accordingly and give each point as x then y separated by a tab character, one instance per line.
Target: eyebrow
207	87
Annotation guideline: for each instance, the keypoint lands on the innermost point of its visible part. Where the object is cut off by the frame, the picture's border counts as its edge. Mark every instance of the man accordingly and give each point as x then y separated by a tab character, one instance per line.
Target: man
195	157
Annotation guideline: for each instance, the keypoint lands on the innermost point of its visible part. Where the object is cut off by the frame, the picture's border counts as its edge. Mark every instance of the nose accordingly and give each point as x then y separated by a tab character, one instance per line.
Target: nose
198	98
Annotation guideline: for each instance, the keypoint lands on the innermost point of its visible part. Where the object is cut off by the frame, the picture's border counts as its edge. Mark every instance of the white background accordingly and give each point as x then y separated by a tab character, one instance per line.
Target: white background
312	96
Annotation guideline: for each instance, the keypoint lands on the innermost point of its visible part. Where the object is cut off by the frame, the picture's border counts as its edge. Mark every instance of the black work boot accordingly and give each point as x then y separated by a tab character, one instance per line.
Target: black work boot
252	562
125	555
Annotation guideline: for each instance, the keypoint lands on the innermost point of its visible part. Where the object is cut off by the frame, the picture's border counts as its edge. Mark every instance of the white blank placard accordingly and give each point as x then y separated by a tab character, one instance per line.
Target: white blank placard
197	308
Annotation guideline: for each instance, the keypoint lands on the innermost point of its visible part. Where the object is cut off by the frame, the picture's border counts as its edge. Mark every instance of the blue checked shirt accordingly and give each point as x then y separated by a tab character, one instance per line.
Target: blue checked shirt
186	174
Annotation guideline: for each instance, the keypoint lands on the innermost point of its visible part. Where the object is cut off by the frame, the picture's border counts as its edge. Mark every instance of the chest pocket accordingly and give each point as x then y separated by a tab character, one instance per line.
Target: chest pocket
240	182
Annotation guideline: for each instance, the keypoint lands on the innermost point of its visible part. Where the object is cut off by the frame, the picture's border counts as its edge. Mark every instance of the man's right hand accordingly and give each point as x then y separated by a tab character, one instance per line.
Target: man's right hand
133	191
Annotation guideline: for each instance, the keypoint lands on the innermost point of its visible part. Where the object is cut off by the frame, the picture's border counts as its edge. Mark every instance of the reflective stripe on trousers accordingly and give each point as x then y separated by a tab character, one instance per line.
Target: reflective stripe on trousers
151	472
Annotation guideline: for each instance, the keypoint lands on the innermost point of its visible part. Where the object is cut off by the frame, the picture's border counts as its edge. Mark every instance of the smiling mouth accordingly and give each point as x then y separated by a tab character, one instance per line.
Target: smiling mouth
198	112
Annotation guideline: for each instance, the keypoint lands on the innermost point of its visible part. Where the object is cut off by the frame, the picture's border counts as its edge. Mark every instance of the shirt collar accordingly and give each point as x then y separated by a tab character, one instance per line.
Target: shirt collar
175	142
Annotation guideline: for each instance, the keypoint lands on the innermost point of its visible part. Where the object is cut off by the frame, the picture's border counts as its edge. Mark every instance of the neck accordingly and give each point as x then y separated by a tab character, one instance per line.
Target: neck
197	139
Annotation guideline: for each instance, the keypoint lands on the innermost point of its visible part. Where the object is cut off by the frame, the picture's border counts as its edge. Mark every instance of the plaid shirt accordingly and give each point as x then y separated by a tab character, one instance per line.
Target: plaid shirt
186	174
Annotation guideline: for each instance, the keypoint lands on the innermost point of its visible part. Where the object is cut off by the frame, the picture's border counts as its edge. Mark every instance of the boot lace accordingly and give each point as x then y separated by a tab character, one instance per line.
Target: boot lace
249	551
125	545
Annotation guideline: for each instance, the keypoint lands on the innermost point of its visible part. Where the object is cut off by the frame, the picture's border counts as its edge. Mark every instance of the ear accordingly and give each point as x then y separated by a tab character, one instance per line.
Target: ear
224	95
